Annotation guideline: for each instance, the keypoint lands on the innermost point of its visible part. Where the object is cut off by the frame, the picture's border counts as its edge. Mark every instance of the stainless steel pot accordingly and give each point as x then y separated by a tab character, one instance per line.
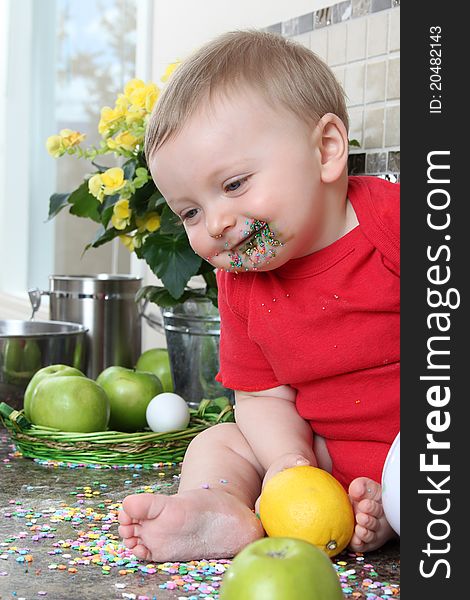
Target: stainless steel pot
27	346
105	305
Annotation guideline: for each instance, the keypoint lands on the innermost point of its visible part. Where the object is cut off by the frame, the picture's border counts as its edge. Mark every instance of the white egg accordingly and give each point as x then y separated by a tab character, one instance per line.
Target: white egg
167	412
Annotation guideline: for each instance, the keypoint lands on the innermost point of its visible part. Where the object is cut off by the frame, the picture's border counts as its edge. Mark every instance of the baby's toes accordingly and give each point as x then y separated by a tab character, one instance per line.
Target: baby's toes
367	521
124	518
131	542
126	531
141	552
363	534
370	507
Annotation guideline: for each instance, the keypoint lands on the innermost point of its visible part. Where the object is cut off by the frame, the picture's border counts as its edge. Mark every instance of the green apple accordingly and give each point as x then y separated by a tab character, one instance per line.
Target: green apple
129	392
31	357
50	371
21	361
13	355
70	403
157	361
281	569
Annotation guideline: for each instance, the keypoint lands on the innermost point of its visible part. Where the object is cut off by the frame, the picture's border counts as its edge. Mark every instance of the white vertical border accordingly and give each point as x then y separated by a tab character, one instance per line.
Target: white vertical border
26	115
143	70
14	226
42	173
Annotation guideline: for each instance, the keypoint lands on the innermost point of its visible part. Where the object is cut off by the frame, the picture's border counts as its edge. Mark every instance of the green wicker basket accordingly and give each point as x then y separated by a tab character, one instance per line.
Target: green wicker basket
112	447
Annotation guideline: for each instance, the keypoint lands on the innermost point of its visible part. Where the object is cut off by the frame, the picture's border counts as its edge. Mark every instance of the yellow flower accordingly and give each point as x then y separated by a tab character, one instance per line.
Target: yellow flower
132	85
71	138
121	209
169	70
151	98
109	117
150	222
54	146
113	180
122	103
121	214
124	140
95	187
118	223
128	242
140	94
134	115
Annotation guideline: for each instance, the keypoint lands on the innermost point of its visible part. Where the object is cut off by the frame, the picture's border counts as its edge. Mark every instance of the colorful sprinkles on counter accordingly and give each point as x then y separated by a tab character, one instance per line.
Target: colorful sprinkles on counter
81	533
56	464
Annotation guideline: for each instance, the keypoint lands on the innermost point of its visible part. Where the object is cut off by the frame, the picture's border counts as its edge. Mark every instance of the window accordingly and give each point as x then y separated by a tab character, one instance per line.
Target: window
61	61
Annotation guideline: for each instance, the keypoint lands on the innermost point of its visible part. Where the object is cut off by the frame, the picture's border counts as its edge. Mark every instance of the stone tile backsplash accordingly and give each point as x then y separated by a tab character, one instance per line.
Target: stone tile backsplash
360	40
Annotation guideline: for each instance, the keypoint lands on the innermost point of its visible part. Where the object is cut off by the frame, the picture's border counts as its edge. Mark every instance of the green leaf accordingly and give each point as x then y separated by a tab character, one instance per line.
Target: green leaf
84	204
107	209
129	169
56	203
160	295
171	259
155	201
140	199
354	144
170	223
102	236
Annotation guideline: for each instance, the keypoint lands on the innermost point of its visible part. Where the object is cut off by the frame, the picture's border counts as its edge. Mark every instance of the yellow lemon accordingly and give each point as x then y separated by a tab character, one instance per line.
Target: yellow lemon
308	504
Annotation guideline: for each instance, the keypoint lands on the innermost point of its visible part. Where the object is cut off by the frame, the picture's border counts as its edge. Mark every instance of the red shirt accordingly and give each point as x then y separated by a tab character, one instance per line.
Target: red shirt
327	324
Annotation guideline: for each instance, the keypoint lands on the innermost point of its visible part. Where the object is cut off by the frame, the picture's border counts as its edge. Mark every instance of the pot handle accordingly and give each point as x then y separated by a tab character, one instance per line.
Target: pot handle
153	319
35	299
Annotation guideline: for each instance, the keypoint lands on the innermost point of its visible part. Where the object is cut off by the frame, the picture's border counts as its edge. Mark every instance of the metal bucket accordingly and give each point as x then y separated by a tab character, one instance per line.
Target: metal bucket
192	331
27	346
105	305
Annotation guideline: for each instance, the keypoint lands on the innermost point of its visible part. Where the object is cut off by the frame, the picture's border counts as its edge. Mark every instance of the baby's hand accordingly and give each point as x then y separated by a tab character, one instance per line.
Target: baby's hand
286	461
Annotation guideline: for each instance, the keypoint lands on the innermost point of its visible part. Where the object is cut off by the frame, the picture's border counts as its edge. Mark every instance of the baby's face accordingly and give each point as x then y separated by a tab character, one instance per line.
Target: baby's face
245	180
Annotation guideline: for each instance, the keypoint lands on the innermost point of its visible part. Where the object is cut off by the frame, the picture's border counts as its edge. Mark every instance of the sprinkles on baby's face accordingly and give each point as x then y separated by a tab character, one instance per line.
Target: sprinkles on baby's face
261	246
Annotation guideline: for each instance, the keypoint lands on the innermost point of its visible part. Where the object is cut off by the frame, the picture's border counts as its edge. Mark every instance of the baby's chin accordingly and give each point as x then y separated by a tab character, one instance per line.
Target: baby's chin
234	265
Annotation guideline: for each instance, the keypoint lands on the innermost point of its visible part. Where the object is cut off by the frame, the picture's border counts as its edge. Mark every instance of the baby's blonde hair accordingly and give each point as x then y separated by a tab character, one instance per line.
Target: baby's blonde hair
284	72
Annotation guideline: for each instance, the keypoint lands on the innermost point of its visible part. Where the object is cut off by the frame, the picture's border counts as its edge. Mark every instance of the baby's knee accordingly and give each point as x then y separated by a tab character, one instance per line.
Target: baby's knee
222	434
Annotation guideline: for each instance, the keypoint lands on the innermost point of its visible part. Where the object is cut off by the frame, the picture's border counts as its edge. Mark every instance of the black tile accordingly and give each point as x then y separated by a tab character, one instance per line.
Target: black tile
394	161
357	164
376	162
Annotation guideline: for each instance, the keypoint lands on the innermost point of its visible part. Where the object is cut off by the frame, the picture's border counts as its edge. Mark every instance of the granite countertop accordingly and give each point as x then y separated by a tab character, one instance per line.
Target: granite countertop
58	539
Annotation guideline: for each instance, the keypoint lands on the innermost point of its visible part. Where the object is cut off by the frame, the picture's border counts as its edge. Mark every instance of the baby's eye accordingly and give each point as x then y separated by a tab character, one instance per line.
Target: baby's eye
190	214
234	185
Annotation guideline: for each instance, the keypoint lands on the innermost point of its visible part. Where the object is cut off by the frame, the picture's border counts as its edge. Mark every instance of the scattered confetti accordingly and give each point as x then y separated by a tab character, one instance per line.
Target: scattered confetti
78	532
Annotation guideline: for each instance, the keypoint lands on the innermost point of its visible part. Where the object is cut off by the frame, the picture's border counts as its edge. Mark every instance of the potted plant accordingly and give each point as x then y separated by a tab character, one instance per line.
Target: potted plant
125	203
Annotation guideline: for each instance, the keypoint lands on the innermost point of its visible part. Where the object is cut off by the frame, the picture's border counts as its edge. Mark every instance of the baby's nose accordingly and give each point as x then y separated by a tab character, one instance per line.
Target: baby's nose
219	222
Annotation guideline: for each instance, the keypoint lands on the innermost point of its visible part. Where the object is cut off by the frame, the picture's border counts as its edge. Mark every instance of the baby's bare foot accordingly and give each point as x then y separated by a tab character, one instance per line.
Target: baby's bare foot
191	525
372	529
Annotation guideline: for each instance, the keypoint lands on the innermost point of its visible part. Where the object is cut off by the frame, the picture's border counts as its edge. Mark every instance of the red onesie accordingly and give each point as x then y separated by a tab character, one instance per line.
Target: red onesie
327	324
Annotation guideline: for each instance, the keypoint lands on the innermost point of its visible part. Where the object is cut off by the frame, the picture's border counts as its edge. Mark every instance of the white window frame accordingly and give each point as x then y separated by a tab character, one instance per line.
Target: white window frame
27	173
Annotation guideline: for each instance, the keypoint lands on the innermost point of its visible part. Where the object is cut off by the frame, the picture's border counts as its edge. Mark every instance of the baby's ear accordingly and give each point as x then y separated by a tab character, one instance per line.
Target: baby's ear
332	139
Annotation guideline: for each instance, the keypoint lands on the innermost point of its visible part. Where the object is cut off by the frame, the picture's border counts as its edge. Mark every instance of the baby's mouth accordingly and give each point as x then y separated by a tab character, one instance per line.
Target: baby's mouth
257	246
248	244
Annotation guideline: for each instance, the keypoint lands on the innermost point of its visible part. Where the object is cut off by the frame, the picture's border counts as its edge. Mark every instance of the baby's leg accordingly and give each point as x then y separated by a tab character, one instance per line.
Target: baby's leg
211	516
372	529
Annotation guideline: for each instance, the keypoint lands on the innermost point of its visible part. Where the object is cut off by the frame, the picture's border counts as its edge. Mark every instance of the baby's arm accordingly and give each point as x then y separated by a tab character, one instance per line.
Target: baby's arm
277	434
